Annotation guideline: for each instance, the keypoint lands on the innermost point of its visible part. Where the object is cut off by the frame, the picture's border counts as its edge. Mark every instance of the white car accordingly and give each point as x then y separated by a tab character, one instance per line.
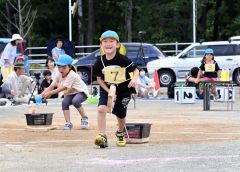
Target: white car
174	69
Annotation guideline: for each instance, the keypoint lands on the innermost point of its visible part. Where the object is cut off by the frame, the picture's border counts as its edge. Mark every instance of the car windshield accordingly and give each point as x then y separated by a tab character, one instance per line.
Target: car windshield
197	51
93	55
160	53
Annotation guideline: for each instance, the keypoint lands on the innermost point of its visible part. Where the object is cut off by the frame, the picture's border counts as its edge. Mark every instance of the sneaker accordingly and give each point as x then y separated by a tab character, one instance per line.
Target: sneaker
101	141
68	126
84	122
121	141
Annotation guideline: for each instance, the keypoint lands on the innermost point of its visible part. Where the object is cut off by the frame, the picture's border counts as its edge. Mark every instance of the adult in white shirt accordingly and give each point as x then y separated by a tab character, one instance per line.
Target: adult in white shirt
9	54
19	83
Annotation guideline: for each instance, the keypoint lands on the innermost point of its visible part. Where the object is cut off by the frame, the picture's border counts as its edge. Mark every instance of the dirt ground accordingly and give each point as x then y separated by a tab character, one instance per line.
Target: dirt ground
172	124
168	125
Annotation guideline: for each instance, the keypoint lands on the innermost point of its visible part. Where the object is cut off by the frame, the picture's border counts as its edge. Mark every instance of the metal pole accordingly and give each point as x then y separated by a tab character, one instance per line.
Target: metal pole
176	48
194	21
70	19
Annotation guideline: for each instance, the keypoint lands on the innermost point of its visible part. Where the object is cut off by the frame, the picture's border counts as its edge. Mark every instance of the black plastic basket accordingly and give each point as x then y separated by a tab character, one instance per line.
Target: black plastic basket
137	130
39	119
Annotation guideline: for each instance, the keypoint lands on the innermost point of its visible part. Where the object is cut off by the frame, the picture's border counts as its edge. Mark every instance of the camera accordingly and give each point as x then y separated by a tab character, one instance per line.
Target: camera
141	35
37	75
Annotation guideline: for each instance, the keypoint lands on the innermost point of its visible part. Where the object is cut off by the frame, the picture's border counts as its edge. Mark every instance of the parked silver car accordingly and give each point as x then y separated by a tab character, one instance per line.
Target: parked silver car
174	69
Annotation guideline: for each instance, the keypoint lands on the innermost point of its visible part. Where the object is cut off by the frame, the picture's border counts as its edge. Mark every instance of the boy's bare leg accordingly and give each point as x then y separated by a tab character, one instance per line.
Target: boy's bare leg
121	141
102	110
66	115
121	124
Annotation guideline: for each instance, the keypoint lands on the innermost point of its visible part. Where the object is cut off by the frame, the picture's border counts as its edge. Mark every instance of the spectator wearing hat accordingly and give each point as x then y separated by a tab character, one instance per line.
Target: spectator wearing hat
9	54
210	71
58	50
107	69
47	82
19	83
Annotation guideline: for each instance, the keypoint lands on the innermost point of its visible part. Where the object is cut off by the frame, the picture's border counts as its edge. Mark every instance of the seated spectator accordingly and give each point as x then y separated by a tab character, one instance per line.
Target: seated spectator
19	83
58	50
145	86
191	81
50	63
47	82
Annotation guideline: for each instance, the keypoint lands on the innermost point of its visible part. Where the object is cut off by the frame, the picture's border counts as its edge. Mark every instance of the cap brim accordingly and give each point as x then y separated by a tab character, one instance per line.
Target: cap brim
108	37
60	64
16	39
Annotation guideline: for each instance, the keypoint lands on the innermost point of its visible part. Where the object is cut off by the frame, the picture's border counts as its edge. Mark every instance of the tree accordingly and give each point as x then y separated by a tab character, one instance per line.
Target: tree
90	29
80	23
22	19
129	20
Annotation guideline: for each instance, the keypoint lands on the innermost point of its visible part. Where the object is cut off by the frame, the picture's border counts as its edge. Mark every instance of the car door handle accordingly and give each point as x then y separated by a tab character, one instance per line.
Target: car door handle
229	59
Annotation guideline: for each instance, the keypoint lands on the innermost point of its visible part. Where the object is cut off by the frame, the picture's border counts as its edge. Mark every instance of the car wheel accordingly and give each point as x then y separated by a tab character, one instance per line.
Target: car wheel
85	75
166	78
236	77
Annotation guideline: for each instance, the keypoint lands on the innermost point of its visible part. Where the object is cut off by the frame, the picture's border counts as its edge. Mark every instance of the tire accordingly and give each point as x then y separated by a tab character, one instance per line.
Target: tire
166	78
85	75
236	77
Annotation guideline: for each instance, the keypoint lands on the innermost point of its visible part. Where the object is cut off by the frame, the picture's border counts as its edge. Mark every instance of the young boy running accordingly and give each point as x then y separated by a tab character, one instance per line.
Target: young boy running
111	68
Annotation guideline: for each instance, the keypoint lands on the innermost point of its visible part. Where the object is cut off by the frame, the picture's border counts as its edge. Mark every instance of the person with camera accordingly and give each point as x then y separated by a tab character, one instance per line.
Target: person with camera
19	83
75	90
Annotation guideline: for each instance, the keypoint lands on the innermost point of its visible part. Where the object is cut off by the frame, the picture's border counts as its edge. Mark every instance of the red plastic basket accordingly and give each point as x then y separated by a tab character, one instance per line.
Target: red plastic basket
137	130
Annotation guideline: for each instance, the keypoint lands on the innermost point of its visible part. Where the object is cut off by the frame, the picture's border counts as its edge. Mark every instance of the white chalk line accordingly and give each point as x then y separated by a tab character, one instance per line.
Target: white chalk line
112	162
32	143
153	132
198	132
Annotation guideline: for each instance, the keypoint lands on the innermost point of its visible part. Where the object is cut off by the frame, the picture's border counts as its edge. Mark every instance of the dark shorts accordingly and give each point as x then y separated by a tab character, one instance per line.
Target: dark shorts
120	106
73	99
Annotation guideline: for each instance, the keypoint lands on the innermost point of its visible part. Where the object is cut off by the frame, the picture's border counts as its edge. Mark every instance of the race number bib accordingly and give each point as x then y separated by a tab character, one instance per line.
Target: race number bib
209	67
114	75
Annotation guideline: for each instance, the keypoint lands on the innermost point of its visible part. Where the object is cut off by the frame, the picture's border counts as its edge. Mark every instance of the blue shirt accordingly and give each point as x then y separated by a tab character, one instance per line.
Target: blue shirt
58	51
